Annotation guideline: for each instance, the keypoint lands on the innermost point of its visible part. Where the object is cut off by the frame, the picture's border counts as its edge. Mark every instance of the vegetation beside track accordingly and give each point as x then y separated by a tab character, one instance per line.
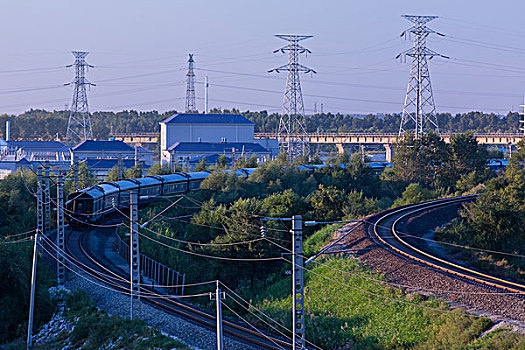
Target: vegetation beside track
83	326
341	317
494	223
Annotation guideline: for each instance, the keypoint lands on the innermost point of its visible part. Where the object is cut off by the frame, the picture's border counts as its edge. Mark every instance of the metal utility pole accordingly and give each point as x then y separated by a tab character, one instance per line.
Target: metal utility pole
206	85
190	87
219	295
47	200
79	125
61	272
298	329
134	255
522	128
75	175
297	284
419	110
292	135
39	231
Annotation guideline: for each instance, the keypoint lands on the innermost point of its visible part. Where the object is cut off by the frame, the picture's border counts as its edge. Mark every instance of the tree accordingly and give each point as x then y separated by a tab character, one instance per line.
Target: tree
113	174
413	194
201	166
421	160
244	162
467	163
222	162
357	205
327	203
133	173
159	169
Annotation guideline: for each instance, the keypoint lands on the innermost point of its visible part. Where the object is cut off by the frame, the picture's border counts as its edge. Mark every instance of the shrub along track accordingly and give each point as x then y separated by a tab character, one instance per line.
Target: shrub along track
380	245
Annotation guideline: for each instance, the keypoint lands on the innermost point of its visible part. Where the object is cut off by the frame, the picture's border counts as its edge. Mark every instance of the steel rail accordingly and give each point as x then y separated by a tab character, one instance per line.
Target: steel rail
430	260
181	309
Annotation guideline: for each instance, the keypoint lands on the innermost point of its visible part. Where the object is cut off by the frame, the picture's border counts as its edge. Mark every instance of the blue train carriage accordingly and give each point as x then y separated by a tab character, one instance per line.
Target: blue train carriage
82	204
195	179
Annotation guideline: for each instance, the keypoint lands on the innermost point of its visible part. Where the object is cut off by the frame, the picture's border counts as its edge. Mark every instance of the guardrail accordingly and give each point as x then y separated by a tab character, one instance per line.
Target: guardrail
159	274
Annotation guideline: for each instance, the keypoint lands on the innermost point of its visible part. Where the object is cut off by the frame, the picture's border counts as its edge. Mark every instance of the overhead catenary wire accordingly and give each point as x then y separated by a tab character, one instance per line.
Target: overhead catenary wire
121	289
252	326
210	256
268	317
114	277
23	240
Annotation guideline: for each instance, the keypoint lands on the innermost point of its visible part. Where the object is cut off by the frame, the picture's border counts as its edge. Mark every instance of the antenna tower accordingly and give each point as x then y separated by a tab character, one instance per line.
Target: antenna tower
292	135
79	125
190	87
419	110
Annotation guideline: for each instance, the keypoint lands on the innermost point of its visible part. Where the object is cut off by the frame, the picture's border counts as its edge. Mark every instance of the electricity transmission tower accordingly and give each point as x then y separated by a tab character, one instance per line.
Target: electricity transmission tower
190	87
419	111
79	125
292	134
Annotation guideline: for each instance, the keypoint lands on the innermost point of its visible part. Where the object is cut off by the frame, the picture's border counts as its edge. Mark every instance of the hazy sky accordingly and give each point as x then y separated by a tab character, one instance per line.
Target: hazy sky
139	50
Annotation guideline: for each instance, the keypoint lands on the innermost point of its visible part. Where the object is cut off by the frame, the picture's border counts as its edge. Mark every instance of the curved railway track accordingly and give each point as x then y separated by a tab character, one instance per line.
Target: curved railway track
385	230
78	250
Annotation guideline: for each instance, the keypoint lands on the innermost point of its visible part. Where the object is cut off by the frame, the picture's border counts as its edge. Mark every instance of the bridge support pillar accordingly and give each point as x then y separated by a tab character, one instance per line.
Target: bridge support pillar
389	152
340	148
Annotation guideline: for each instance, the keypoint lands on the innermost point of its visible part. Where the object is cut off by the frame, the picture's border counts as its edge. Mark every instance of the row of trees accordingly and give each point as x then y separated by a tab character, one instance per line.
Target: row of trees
432	163
496	221
41	124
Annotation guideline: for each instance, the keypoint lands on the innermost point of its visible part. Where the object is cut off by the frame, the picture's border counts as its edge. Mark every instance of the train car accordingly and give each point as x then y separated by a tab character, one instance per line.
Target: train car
93	203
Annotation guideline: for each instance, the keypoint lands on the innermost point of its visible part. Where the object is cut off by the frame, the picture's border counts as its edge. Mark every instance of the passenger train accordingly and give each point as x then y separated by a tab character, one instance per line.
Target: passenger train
92	203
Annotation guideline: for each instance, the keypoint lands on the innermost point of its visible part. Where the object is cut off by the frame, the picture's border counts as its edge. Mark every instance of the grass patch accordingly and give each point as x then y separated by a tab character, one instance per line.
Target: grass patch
319	239
339	317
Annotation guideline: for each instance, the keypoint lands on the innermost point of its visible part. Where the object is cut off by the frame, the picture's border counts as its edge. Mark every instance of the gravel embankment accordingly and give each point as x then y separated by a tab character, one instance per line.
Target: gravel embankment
476	298
191	334
115	303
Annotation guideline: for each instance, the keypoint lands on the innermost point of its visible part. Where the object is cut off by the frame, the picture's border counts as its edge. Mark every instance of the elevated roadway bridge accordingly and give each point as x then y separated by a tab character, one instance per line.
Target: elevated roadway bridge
388	139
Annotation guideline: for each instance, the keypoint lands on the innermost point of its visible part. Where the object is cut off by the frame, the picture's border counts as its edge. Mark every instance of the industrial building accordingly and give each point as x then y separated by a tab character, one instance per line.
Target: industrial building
187	137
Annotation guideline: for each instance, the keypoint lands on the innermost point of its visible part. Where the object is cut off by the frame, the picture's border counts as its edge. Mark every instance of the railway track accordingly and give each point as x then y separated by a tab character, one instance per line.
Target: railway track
78	249
385	229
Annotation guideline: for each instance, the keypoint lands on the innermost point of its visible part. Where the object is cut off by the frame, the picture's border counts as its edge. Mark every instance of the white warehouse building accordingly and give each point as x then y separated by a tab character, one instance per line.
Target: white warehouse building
183	137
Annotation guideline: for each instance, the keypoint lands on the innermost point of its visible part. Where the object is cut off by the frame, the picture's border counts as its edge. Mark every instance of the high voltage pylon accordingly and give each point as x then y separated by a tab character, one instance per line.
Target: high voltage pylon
79	125
190	87
419	110
292	134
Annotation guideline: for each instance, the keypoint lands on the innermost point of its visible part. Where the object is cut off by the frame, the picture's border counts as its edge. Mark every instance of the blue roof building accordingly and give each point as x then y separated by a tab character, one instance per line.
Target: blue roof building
95	149
184	137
